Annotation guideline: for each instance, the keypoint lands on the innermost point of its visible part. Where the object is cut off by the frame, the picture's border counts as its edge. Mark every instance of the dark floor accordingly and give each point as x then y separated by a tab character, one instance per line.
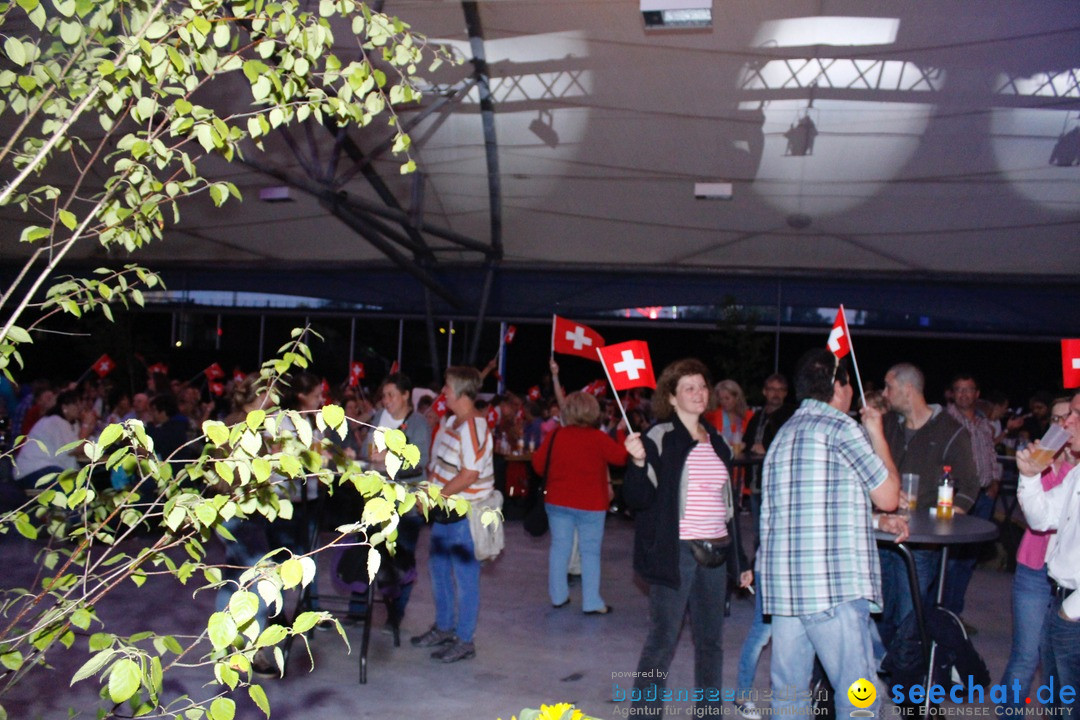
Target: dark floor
528	653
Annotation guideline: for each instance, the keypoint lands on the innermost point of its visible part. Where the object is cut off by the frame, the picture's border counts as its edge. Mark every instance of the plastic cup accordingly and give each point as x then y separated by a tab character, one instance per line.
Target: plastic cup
909	483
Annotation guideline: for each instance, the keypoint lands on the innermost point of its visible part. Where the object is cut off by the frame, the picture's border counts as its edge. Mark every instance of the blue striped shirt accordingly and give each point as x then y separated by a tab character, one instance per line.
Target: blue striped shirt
817	538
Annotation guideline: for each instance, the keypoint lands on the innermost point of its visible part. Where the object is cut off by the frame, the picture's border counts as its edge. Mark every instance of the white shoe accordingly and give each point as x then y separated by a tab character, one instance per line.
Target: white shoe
748	710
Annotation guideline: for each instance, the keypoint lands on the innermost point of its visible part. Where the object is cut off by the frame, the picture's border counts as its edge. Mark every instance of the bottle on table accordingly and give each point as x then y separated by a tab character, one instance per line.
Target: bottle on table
945	495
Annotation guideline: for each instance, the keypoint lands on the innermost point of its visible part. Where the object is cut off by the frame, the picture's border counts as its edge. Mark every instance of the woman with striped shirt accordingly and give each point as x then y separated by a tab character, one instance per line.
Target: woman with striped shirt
461	463
678	482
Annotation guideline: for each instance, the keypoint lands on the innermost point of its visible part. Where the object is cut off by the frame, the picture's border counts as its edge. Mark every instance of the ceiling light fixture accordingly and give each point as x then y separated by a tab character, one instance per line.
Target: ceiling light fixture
676	14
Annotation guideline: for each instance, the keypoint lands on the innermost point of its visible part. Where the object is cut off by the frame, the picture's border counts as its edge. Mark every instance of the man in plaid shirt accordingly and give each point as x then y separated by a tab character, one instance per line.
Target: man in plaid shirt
818	563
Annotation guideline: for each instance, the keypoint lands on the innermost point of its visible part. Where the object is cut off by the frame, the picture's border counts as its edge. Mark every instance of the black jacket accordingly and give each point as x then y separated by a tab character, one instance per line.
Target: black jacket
772	422
655	492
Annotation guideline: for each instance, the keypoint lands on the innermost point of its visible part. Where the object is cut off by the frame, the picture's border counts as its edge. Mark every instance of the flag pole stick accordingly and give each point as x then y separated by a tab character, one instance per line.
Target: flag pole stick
629	430
551	356
854	362
500	367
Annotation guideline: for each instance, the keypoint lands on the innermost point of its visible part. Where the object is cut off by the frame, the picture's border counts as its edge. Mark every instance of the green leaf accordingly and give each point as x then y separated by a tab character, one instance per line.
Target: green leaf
222	630
23	526
292	573
81	618
306	621
395	440
93	665
216	432
68	219
15	51
12	660
18	335
258	696
33	233
254	419
110	435
271	636
333	415
206	513
243	606
222	709
124	680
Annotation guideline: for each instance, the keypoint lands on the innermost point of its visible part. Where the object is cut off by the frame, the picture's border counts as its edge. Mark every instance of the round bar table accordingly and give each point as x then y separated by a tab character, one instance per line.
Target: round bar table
928	530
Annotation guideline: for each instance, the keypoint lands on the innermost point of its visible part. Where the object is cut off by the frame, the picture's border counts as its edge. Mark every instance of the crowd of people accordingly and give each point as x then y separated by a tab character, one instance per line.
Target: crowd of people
816	478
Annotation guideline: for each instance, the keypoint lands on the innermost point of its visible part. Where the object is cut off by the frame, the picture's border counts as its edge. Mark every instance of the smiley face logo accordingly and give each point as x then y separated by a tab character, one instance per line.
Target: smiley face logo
862	693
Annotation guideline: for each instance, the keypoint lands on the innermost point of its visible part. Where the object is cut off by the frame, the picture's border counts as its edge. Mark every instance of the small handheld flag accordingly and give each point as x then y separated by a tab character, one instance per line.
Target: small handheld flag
103	365
627	365
839	344
573	338
1070	363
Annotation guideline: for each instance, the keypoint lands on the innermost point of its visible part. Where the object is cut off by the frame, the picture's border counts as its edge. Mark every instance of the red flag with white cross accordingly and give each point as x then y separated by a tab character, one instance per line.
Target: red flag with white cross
1070	363
628	365
214	372
356	372
440	406
839	342
103	365
510	333
573	338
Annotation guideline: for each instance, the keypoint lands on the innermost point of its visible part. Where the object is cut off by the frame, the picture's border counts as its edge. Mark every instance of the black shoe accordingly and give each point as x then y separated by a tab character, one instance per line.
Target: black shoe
457	651
606	611
434	637
563	604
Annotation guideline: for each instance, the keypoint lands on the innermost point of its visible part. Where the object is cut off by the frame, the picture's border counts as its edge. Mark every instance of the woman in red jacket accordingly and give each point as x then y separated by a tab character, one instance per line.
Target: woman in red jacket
577	494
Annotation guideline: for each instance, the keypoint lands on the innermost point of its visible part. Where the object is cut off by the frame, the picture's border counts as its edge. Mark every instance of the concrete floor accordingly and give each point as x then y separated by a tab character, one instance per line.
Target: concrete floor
527	652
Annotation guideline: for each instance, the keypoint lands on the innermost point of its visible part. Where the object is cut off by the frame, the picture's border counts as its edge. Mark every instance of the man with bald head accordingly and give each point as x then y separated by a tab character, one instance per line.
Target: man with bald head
923	439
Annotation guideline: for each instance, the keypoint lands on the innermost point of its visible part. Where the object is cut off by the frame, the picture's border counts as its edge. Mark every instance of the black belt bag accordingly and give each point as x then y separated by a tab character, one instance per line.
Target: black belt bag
710	553
1058	591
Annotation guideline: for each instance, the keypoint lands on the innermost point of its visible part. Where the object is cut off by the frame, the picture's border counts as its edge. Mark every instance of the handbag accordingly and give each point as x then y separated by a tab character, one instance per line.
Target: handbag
536	520
488	541
710	553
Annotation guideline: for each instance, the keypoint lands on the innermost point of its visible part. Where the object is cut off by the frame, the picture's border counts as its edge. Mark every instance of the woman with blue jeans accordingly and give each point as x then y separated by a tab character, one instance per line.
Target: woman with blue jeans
686	540
575	460
461	464
1031	584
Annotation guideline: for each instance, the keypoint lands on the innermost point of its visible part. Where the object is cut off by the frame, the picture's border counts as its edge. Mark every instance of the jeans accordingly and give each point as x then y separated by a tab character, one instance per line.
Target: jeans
1060	652
563	521
1030	599
896	590
841	638
962	560
756	640
455	578
701	590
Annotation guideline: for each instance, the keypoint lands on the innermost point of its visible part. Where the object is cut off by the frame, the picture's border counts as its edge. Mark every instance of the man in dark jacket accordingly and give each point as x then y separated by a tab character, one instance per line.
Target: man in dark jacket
923	439
759	435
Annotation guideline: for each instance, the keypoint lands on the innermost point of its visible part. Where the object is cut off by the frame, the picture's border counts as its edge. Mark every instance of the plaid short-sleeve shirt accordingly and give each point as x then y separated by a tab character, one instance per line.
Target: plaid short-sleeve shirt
817	538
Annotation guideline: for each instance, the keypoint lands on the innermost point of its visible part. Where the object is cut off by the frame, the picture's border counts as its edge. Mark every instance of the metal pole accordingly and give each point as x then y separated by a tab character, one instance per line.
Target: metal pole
776	352
450	344
352	342
501	385
217	335
400	340
433	347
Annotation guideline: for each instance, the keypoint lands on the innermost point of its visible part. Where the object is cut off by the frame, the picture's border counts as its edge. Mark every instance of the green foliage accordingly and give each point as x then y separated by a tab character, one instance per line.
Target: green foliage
110	110
243	470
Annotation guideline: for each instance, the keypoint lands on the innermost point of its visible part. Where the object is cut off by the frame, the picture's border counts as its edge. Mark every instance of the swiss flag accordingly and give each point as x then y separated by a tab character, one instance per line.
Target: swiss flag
510	332
839	342
238	375
492	416
158	368
1070	363
573	338
534	393
597	388
217	388
214	372
440	406
356	372
103	365
395	367
628	365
